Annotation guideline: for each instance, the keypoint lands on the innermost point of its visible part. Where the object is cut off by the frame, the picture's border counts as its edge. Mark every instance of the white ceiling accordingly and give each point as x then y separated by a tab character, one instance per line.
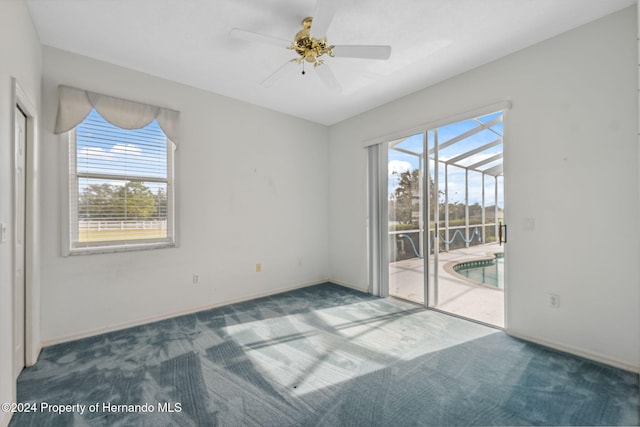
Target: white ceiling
188	41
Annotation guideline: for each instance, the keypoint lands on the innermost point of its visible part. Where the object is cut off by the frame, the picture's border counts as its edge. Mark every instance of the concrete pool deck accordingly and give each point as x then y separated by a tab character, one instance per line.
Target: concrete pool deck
455	294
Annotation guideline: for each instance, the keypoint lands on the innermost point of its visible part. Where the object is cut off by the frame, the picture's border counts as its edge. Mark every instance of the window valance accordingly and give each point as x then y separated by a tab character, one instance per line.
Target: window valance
75	104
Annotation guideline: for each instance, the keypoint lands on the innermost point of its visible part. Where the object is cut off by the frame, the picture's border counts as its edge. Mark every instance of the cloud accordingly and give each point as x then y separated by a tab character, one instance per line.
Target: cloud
118	159
398	166
117	153
90	154
126	149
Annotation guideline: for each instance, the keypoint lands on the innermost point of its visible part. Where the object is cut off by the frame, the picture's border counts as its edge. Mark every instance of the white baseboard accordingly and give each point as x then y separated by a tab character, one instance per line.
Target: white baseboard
5	417
600	358
152	319
32	357
349	285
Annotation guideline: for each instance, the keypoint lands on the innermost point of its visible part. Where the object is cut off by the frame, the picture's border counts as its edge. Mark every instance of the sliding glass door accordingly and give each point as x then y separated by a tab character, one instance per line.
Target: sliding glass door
445	209
406	217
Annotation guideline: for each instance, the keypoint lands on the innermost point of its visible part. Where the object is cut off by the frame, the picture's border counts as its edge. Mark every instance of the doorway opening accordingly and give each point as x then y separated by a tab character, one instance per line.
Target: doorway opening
445	218
25	343
19	258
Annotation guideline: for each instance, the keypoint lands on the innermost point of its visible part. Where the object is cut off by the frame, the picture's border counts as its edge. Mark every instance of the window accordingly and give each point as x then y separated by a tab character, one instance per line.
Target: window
119	185
120	182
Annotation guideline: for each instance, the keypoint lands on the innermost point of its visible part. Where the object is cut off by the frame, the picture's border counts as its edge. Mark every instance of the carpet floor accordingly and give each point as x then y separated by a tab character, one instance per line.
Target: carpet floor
319	356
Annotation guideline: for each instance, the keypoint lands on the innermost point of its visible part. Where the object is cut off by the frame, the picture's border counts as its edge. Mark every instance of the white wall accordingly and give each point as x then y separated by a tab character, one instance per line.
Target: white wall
20	58
251	187
571	165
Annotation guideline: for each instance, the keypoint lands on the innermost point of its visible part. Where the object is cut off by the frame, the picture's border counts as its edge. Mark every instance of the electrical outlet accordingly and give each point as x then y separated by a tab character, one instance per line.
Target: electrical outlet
554	300
196	278
258	268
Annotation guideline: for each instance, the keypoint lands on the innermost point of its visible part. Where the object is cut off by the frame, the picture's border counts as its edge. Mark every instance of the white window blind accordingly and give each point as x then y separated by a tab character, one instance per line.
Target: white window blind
120	186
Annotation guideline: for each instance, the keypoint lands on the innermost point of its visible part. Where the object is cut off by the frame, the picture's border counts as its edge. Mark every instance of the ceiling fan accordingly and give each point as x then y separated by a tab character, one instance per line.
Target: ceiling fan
311	46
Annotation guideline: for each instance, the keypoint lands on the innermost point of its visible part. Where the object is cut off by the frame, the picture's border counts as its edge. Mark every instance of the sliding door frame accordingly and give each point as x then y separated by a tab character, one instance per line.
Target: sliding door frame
378	216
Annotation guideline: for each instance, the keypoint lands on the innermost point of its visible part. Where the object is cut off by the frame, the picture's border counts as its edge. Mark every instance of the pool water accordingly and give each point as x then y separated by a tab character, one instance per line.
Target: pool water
489	272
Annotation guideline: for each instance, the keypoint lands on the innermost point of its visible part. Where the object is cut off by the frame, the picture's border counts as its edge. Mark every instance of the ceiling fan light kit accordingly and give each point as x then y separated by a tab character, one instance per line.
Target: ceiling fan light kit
309	48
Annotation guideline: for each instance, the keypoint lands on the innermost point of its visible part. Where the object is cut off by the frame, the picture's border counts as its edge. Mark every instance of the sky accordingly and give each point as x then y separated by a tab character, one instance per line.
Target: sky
107	149
401	162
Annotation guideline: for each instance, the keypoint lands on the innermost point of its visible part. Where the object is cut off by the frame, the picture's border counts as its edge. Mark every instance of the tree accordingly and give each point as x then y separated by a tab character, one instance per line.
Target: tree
135	201
96	202
161	203
406	195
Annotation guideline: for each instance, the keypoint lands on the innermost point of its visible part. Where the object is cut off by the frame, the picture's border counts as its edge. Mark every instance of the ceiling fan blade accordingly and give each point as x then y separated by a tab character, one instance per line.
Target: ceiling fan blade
276	75
328	78
362	51
322	17
250	36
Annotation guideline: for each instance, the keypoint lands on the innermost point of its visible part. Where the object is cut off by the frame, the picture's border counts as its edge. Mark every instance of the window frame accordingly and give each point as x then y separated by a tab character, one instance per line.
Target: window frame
70	176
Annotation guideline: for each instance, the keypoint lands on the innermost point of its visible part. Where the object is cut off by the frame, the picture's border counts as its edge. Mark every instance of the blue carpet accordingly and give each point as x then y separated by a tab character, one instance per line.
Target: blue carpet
320	356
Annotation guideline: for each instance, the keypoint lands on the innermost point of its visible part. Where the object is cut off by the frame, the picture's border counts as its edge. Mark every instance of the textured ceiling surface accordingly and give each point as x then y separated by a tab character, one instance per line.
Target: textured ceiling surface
188	41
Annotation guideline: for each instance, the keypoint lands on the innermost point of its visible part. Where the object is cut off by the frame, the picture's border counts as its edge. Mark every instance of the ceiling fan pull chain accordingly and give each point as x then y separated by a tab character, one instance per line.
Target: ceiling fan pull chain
303	73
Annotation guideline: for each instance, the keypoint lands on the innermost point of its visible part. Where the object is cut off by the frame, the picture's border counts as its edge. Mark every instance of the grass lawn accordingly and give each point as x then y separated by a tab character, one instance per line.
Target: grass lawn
109	235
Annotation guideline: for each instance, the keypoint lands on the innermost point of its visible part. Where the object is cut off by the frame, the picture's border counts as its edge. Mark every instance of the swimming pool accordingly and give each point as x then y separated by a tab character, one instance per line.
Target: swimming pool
488	271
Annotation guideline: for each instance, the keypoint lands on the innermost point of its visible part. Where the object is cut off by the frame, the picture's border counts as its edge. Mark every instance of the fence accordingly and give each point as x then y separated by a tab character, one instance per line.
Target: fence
97	225
406	244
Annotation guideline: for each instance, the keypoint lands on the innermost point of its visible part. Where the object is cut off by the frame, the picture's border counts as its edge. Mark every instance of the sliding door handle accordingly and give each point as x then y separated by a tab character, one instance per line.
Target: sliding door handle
502	234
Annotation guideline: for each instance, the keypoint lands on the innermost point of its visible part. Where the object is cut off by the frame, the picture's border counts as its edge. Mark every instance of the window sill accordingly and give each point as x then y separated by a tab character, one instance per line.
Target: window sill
120	248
